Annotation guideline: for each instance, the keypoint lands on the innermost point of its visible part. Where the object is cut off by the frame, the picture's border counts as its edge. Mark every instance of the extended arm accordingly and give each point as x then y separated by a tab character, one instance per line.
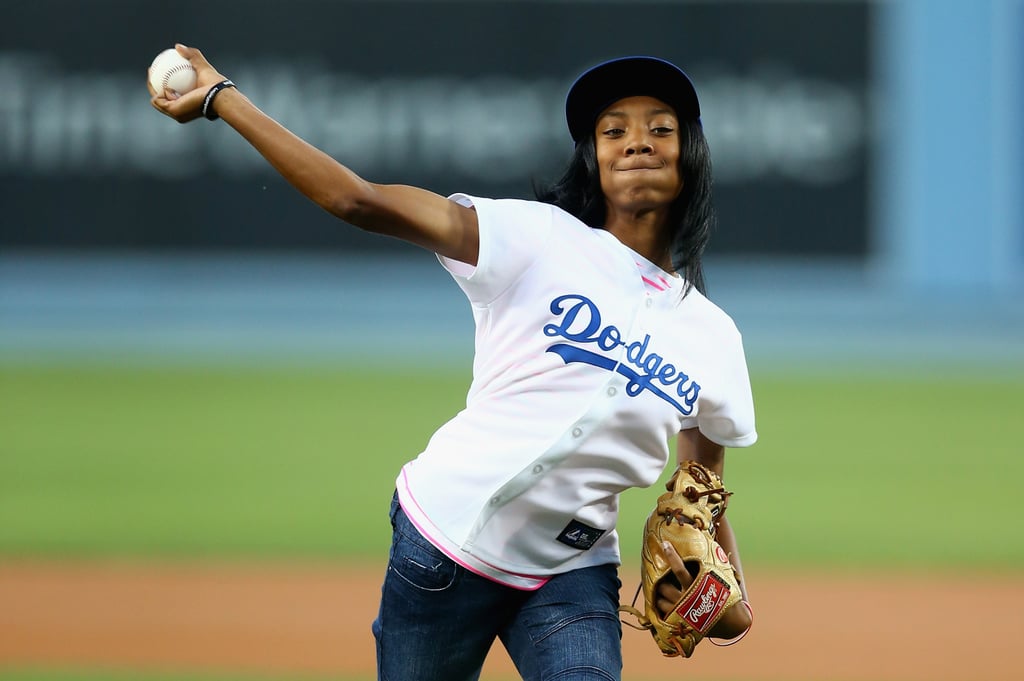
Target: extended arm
408	213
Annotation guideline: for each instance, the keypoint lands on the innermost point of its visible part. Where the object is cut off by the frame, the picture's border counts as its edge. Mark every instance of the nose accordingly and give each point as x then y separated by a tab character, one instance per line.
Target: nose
639	144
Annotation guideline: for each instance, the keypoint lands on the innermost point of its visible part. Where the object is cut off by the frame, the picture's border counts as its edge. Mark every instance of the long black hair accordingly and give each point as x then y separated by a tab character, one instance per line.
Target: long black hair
691	216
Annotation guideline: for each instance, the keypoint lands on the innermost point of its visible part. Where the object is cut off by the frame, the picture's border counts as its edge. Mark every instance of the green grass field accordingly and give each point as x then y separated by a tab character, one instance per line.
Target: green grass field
911	472
294	463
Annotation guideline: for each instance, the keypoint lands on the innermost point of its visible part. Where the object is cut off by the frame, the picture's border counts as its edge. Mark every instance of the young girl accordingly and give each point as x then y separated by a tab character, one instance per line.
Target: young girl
595	345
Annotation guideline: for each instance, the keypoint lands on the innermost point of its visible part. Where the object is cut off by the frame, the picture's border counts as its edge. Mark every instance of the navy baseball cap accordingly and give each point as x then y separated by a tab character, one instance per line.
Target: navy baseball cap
608	82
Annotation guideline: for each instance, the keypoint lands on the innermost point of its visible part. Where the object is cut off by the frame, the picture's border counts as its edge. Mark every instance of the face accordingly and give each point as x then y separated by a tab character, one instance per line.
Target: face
637	142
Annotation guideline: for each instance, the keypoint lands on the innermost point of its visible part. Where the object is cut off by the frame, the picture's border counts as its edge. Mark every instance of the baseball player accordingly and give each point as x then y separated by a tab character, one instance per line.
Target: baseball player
595	346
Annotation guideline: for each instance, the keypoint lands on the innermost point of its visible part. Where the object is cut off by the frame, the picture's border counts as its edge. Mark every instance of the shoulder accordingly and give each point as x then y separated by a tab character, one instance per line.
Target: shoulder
713	317
500	204
512	207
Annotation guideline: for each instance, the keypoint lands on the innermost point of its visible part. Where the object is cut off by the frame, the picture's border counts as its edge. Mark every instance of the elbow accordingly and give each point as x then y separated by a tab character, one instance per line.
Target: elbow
355	207
344	208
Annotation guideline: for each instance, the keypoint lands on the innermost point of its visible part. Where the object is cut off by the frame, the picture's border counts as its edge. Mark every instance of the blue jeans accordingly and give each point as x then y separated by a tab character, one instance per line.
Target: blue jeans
438	620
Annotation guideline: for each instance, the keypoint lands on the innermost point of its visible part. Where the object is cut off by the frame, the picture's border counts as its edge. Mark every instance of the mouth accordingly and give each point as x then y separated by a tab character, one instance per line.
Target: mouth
638	168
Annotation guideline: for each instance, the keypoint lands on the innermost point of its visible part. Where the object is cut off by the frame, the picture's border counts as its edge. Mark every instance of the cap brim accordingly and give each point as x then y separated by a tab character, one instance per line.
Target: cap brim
601	86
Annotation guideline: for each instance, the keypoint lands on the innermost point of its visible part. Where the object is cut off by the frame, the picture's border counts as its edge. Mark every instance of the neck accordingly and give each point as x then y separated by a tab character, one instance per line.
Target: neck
645	232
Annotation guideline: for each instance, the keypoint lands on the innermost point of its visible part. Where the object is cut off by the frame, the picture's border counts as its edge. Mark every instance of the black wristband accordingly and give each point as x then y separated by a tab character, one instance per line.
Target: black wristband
208	111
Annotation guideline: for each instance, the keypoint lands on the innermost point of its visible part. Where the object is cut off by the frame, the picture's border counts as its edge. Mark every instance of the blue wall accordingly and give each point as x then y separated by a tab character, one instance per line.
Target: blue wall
948	191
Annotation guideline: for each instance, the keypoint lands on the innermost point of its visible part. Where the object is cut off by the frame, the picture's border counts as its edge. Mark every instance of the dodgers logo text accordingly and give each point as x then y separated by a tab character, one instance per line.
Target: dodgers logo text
579	321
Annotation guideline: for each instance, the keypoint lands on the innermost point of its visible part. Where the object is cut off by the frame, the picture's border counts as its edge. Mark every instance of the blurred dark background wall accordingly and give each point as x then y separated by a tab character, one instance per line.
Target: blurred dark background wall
869	160
453	96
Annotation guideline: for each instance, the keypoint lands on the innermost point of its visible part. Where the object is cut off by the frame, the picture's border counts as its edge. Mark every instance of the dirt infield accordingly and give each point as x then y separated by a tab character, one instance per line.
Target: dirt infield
315	620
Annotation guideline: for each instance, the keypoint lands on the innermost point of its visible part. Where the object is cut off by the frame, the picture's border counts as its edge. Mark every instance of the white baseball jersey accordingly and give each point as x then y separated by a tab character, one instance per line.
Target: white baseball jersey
589	359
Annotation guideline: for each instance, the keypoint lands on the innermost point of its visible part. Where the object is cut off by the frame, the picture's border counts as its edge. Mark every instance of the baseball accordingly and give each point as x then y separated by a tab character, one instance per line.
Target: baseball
171	71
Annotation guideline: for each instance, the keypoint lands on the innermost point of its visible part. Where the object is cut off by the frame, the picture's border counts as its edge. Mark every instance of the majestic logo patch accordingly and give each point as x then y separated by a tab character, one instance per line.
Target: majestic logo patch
580	322
579	535
703	605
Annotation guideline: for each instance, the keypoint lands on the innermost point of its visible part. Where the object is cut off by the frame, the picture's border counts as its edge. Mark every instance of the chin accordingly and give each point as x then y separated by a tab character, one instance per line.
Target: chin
645	199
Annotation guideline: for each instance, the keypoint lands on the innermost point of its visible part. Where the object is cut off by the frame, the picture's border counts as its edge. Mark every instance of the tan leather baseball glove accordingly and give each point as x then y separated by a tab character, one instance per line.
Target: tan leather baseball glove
685	518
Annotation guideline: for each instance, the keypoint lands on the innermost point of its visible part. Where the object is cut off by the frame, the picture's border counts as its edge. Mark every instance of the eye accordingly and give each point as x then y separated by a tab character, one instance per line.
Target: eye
662	130
613	132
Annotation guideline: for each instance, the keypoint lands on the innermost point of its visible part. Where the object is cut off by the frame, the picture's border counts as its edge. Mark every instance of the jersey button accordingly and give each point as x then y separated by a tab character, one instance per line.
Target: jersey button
495	501
538	469
612	391
650	302
576	432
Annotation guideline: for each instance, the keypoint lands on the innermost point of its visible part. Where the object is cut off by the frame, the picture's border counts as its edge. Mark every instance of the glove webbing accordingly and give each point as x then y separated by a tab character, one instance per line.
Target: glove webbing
692	495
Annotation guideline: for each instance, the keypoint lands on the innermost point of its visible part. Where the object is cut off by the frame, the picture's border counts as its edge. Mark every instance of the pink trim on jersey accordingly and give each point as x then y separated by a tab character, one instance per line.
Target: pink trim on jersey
541	581
665	284
653	284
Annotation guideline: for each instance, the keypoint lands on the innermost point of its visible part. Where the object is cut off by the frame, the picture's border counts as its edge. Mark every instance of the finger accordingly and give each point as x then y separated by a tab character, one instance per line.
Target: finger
166	95
665	605
160	103
172	108
187	52
669	590
194	55
675	562
206	74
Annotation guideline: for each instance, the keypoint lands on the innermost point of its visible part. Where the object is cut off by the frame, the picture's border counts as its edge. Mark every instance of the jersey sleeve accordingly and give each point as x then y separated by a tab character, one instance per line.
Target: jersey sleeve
727	417
512	234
